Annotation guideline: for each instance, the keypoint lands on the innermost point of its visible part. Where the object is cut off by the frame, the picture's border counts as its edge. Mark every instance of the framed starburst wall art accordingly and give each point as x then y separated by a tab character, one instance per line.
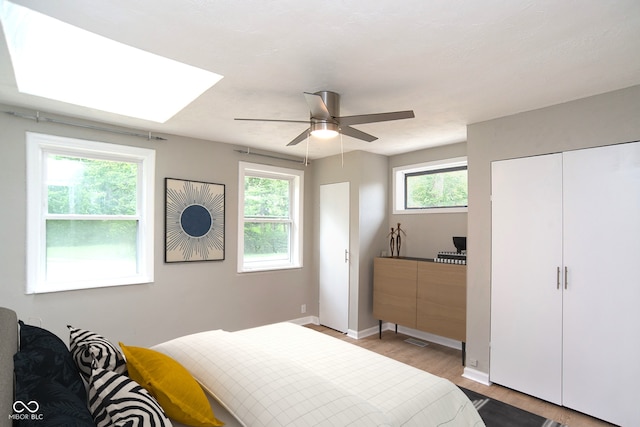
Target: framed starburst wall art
194	221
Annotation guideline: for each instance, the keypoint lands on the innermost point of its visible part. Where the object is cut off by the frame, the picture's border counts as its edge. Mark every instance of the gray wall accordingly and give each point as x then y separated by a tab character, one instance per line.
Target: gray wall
367	175
599	120
370	179
186	297
427	234
191	297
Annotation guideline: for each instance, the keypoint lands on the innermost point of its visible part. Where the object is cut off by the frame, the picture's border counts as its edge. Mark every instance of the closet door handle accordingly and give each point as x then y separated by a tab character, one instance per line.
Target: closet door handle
566	275
558	278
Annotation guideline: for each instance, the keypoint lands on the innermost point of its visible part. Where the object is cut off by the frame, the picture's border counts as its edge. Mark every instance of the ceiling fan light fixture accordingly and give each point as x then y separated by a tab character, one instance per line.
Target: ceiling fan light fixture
324	130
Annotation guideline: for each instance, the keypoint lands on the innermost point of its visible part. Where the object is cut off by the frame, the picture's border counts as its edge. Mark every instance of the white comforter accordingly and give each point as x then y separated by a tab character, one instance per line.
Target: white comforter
289	375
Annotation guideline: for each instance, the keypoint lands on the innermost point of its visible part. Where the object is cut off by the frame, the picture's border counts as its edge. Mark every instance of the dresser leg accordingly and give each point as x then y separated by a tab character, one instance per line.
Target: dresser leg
464	352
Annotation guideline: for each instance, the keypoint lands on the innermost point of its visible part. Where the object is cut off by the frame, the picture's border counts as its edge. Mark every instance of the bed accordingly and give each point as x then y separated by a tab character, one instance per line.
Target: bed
287	375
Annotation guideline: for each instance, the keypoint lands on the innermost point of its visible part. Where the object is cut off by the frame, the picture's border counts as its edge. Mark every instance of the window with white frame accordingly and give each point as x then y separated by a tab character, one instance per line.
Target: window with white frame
269	217
89	214
433	187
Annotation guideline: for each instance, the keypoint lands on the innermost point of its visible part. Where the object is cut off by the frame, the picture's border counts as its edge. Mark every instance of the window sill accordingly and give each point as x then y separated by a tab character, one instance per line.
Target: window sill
58	287
430	211
267	269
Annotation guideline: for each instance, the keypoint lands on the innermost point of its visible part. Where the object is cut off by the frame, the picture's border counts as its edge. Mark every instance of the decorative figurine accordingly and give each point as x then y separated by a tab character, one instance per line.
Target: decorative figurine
392	240
399	231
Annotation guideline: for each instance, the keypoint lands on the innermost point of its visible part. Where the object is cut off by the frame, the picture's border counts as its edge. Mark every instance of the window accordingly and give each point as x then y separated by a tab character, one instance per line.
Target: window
270	218
90	214
439	186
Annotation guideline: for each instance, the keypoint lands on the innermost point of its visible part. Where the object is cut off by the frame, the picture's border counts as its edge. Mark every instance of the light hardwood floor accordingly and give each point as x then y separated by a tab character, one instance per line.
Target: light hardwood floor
446	362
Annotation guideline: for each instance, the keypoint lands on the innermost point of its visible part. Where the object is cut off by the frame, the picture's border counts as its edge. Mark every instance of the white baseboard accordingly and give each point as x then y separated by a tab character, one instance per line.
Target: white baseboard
306	320
447	342
374	330
425	336
477	376
351	333
469	373
362	334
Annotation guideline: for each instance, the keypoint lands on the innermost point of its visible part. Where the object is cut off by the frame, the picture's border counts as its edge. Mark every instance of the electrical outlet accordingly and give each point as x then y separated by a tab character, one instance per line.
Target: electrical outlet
303	308
473	362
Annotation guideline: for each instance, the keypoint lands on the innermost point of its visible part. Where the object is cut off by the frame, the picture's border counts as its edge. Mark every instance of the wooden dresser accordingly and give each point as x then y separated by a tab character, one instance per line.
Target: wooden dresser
421	294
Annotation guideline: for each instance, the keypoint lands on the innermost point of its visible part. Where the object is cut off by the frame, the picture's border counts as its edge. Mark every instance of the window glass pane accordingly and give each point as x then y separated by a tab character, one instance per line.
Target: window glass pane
270	220
84	250
266	197
91	187
435	190
266	241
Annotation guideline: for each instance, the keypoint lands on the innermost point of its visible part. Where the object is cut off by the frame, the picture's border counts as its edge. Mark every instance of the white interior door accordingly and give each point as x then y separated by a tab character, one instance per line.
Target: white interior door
602	297
334	256
526	298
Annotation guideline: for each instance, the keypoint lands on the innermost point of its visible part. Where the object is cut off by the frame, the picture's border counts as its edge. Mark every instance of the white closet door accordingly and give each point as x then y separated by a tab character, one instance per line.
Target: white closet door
526	301
602	300
334	256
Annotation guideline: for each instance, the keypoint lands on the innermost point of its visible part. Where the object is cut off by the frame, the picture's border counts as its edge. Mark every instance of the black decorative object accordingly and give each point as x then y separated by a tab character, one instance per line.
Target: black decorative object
395	241
194	221
460	243
399	233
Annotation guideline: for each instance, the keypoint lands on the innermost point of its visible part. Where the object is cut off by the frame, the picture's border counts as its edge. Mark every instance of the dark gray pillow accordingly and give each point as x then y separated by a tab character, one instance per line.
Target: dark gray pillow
43	355
48	384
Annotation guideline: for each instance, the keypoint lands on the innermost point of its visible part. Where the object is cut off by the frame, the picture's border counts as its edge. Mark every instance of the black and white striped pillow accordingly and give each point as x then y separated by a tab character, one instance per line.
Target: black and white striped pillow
117	400
92	350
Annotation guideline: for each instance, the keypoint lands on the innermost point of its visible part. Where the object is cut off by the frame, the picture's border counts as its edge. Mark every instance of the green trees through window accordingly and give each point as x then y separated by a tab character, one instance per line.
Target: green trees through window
436	189
267	214
85	186
91	216
270	220
97	189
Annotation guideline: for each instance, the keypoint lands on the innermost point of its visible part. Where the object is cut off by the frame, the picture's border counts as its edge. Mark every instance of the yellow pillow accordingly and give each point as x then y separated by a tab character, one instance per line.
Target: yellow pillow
172	385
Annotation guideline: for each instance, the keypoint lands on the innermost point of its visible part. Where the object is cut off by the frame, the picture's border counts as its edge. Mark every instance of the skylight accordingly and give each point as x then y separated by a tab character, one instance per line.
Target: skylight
56	60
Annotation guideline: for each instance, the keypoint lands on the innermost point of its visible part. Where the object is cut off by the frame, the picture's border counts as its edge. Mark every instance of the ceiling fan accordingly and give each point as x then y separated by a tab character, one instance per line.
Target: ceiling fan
325	120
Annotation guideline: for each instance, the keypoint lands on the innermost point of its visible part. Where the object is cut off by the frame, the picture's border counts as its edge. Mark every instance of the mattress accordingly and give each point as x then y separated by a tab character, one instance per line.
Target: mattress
288	375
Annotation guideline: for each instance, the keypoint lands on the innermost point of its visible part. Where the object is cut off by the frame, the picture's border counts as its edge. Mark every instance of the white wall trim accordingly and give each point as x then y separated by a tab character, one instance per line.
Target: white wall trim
398	173
362	334
469	373
386	326
477	376
306	320
437	339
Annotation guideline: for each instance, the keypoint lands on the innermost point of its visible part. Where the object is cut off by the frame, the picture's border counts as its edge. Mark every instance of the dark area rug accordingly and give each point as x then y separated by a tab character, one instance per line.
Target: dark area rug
498	414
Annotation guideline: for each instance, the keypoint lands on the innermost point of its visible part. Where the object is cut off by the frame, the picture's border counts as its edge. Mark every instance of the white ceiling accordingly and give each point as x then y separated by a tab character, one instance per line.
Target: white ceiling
452	62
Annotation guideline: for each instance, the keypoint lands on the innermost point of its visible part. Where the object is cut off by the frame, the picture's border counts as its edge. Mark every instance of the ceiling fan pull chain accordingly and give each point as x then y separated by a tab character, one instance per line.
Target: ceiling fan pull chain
306	156
341	150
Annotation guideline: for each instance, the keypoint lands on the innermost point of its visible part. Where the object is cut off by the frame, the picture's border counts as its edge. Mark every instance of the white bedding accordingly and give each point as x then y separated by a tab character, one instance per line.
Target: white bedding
289	375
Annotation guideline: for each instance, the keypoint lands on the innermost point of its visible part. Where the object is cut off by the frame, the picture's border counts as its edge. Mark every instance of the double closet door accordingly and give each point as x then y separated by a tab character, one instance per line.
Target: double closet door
565	287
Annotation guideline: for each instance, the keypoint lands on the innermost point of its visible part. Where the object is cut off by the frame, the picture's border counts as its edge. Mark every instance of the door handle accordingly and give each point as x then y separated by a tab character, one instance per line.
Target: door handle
346	256
566	277
558	278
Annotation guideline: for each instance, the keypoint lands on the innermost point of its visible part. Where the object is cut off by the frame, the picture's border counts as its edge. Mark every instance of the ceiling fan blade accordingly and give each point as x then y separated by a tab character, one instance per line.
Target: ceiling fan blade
274	120
355	133
298	139
317	106
372	118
